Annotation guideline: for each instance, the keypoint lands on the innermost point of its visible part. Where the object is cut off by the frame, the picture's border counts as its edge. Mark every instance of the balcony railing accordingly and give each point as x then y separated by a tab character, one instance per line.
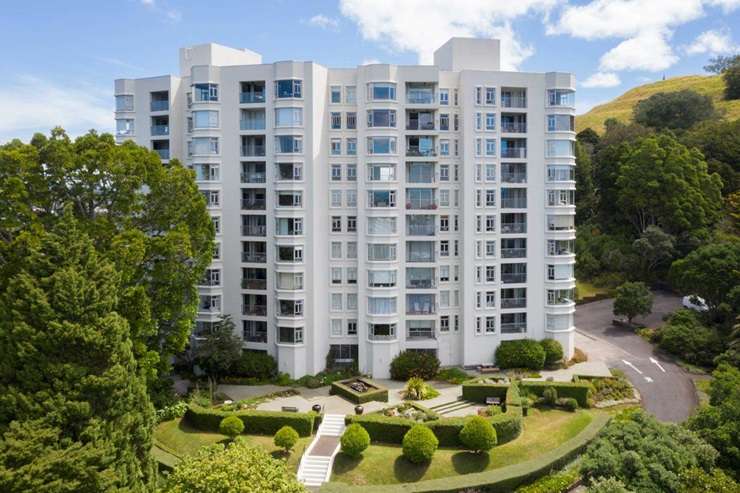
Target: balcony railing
514	127
163	153
513	278
255	337
513	302
513	177
255	310
251	124
510	101
254	230
421	204
253	151
160	105
423	230
418	152
419	96
381	337
420	283
253	204
416	125
257	258
514	152
425	308
513	252
509	228
254	284
160	130
251	97
420	333
247	177
514	328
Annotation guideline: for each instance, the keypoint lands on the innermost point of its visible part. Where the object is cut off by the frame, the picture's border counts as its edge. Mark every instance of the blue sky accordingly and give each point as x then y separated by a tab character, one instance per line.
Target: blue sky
61	57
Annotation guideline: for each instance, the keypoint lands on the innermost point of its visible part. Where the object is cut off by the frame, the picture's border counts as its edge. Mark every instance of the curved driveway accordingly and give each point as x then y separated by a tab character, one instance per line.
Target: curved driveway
667	390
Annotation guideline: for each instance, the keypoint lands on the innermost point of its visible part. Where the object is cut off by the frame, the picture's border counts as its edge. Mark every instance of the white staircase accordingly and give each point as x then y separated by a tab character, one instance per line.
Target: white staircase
316	469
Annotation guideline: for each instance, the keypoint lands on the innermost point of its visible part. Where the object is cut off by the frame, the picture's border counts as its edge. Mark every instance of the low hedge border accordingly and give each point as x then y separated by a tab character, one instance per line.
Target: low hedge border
341	389
501	480
478	391
255	422
391	429
580	391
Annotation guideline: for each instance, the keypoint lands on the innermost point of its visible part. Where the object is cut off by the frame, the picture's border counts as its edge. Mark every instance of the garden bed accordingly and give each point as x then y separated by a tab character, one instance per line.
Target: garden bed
359	390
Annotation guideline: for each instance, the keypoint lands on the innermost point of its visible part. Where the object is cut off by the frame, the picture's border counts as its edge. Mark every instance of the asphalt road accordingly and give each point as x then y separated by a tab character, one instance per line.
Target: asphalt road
666	389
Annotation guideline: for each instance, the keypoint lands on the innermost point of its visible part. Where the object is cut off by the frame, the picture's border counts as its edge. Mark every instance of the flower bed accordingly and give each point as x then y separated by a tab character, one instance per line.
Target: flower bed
410	410
359	390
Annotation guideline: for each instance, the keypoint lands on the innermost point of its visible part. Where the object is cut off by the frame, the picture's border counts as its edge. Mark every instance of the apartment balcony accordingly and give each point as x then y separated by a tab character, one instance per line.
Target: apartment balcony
420	333
253	177
416	151
251	124
513	302
159	105
420	93
421	283
254	150
257	230
419	120
514	127
513	152
160	130
513	228
514	328
420	229
254	310
420	304
420	173
253	204
254	257
514	177
254	284
251	97
513	278
163	153
421	199
513	98
255	336
513	203
513	253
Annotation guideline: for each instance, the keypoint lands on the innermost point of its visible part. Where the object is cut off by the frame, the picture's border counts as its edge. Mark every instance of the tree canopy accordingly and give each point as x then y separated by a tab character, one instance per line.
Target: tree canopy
674	110
711	272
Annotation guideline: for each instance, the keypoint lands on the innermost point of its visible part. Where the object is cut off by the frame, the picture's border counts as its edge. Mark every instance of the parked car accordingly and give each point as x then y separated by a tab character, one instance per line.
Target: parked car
693	302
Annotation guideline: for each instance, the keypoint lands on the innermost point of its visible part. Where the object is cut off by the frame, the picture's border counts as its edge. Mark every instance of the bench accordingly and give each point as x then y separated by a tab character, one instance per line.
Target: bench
289	409
488	369
493	401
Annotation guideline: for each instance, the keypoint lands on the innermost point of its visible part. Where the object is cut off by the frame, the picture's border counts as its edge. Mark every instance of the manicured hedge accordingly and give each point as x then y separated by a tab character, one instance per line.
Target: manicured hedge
477	391
580	391
255	422
500	480
341	389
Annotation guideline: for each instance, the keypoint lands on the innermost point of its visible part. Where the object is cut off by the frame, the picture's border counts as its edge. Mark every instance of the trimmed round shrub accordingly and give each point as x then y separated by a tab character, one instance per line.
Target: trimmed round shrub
550	396
355	440
255	364
231	426
478	435
567	403
524	353
414	364
553	351
419	444
285	438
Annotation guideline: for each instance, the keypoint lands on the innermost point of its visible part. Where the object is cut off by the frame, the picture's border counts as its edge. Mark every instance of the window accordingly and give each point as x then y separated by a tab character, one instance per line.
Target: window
490	224
381	278
125	126
336	198
490	121
444	97
336	302
381	118
560	247
381	225
288	144
490	325
336	327
203	145
352	173
561	198
336	94
336	172
351	301
444	323
336	120
290	199
444	248
490	95
289	226
444	198
444	147
490	147
288	88
381	145
491	248
490	172
490	273
205	92
336	224
381	198
336	147
336	275
351	120
561	97
491	197
289	171
351	327
381	251
444	172
561	148
444	121
560	296
444	273
216	220
290	335
444	223
560	123
290	281
124	102
381	305
352	147
381	91
351	224
350	94
381	172
351	271
351	197
288	117
561	172
205	119
478	95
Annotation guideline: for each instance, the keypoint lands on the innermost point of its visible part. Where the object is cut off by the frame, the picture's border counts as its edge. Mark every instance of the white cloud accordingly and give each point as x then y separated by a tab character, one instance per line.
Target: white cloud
648	51
422	26
712	42
37	105
370	61
324	22
602	79
726	5
169	14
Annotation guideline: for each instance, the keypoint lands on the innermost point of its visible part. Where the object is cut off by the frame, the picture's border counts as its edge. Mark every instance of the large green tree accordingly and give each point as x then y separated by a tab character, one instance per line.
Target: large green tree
74	410
150	220
217	350
632	299
719	142
674	110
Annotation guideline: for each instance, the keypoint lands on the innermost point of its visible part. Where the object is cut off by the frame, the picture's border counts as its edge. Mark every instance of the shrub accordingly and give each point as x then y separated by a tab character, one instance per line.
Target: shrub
580	391
549	396
355	440
176	410
453	375
414	364
231	426
685	336
419	444
478	391
255	422
553	351
478	435
255	364
285	438
615	388
578	357
418	390
607	485
567	403
525	353
556	482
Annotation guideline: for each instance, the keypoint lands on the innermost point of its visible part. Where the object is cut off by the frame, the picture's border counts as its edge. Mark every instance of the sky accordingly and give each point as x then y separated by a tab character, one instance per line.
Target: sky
62	56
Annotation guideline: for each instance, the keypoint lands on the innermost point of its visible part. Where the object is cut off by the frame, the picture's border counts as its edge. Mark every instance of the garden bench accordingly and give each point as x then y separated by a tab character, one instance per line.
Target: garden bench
289	409
493	401
488	369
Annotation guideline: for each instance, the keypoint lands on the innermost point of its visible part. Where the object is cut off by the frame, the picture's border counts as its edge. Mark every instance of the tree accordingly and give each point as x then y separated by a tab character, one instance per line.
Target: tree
731	76
674	110
148	219
231	426
719	142
419	444
644	454
632	299
607	485
719	422
655	250
74	411
711	272
217	351
478	435
662	183
285	438
236	468
588	136
355	440
585	191
687	337
720	63
696	480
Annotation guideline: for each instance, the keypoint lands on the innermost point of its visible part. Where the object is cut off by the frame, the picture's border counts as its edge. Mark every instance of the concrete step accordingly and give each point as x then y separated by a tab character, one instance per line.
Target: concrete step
449	407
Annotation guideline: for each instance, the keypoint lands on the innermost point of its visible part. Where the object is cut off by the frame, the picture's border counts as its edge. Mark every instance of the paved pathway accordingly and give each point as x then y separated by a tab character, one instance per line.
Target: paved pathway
666	389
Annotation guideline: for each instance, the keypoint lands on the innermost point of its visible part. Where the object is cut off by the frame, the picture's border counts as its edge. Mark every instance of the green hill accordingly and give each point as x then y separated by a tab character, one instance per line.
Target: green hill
621	107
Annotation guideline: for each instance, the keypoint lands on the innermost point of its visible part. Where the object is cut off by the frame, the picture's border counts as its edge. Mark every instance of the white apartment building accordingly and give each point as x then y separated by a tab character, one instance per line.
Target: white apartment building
362	212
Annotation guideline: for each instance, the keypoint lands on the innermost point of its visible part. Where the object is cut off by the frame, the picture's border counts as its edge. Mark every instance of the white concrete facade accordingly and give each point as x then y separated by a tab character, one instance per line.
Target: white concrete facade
361	212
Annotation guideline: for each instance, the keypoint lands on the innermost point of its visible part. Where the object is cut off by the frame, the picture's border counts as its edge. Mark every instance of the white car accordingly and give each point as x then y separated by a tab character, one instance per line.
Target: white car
693	302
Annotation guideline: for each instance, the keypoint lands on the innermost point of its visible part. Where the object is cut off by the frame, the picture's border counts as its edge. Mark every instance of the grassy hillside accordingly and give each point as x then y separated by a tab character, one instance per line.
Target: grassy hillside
621	107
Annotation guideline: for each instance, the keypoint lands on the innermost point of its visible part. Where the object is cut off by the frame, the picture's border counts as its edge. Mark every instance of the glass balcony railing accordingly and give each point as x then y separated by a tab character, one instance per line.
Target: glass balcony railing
381	337
253	177
420	333
255	310
251	124
507	177
421	204
255	336
160	130
516	203
415	151
254	230
509	228
513	302
254	257
251	97
163	153
514	152
160	105
420	283
254	284
513	101
514	127
253	204
419	96
515	278
513	328
513	252
253	151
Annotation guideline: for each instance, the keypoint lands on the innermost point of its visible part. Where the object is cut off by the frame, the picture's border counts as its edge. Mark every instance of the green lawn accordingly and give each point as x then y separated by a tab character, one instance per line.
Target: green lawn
586	289
175	439
383	464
